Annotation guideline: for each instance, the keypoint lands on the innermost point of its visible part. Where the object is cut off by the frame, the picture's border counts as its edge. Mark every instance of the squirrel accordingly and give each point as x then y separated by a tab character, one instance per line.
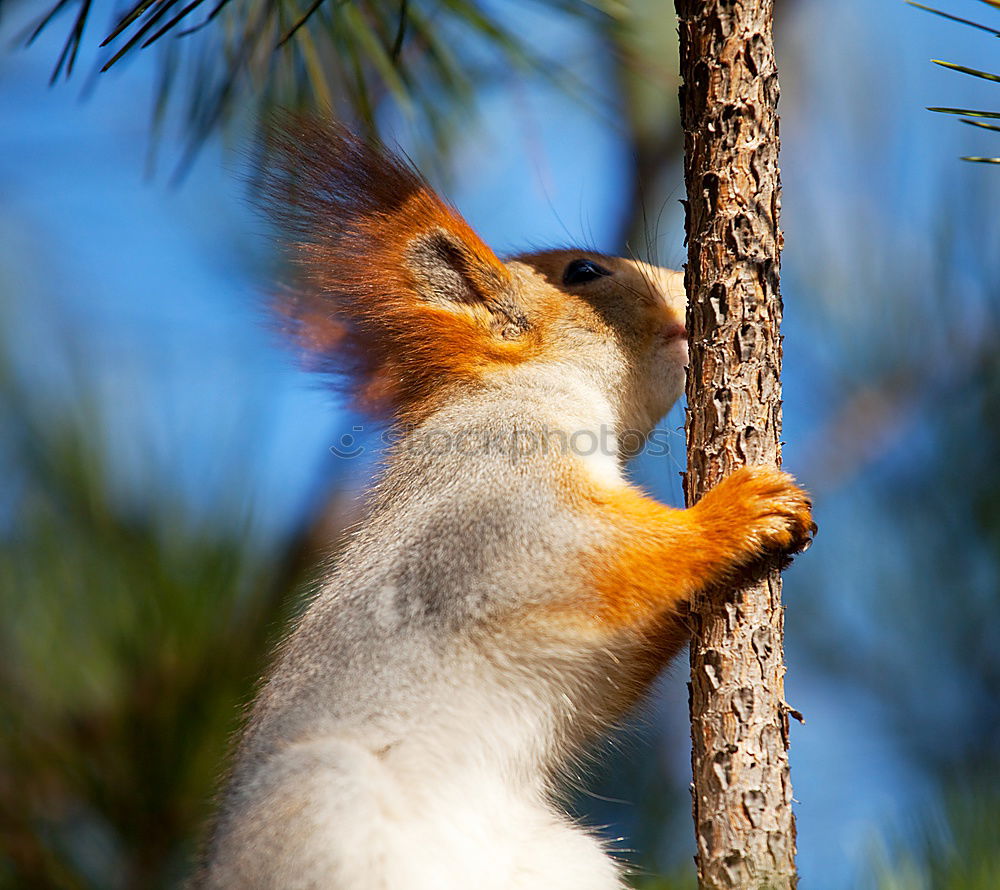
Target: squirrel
510	594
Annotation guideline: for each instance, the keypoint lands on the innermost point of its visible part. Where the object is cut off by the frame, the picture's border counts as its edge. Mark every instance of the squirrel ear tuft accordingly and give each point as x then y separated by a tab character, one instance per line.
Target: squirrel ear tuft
410	290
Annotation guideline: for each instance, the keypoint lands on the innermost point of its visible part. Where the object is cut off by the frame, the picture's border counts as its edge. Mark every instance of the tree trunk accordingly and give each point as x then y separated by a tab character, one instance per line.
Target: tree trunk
742	795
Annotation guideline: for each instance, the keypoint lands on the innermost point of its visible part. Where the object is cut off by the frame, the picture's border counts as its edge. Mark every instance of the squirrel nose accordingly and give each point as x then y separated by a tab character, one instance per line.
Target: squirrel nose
673	331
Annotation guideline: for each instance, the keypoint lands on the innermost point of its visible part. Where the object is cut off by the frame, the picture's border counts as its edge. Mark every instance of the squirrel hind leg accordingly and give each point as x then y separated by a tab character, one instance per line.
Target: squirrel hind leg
306	819
331	815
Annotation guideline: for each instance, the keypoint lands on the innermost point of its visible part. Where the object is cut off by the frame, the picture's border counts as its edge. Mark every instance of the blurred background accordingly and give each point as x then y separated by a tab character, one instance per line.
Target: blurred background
167	476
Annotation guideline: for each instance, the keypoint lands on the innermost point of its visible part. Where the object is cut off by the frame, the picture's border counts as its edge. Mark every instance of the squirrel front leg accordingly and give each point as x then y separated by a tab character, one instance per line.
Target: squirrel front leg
656	557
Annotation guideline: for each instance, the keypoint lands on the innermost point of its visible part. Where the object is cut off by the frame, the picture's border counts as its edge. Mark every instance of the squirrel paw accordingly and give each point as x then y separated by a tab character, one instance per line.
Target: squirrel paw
765	508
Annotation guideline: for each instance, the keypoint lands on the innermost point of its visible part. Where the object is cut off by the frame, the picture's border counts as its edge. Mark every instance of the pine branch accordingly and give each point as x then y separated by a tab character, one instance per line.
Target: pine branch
973	72
421	55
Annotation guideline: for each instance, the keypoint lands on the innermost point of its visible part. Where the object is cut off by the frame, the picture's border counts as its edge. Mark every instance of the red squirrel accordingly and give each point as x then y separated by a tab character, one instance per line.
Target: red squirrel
510	594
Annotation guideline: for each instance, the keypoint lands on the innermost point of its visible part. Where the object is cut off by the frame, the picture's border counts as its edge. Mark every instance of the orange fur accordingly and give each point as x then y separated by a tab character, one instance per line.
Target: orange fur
352	213
654	557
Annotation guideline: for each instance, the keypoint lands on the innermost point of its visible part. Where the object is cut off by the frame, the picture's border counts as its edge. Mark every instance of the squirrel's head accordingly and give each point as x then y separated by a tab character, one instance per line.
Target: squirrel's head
398	294
618	323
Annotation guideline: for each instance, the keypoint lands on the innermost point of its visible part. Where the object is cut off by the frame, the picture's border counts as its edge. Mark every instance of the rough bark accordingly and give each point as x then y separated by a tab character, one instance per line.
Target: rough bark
742	795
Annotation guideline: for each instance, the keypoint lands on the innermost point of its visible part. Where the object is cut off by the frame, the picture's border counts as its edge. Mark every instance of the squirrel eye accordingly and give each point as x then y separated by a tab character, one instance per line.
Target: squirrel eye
582	271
